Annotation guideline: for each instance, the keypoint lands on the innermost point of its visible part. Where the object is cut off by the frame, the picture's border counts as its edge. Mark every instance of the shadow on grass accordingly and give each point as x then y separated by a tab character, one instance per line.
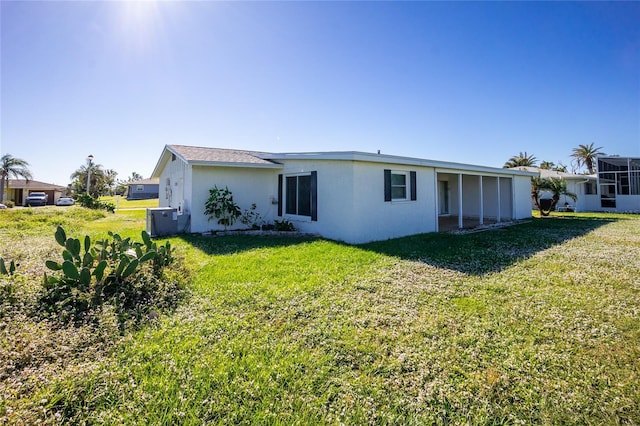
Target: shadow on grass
236	244
490	251
474	253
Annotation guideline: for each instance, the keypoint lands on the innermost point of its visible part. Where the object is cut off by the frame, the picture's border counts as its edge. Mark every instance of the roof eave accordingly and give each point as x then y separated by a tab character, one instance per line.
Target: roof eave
393	159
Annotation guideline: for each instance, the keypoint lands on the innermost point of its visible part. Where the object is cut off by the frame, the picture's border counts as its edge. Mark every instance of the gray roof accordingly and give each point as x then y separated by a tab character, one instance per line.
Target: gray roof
218	155
152	181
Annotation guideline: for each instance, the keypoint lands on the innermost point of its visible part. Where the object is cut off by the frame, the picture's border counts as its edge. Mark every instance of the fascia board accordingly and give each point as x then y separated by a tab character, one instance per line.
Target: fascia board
237	165
406	161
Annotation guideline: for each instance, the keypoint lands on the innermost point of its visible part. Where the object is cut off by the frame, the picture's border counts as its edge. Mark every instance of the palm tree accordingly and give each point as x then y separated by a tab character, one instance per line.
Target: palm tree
585	155
12	166
557	187
97	176
522	159
547	165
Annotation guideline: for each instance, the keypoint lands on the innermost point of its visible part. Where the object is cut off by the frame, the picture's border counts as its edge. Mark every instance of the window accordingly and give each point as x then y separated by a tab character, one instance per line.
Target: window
139	187
590	188
300	195
399	185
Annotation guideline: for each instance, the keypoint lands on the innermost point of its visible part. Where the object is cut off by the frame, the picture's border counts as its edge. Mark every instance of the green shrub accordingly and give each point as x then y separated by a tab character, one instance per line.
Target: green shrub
10	204
251	217
283	225
128	275
86	200
220	205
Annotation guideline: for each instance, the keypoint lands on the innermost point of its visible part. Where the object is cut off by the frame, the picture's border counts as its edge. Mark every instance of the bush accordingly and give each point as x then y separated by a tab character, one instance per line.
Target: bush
86	200
283	225
128	275
251	217
10	204
220	205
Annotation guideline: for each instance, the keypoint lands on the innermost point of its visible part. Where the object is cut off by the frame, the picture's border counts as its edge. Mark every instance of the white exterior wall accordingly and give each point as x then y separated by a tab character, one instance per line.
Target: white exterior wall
585	202
351	204
174	185
247	185
376	219
490	192
471	196
508	197
627	203
335	198
521	189
588	203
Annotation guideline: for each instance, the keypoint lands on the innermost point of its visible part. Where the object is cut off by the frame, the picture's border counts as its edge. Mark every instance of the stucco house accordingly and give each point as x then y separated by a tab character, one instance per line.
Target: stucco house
354	197
614	188
143	189
584	186
20	188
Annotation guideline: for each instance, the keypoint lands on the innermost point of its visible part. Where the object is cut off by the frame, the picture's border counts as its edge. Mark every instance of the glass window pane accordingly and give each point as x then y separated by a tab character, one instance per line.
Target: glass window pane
398	193
292	191
398	179
304	195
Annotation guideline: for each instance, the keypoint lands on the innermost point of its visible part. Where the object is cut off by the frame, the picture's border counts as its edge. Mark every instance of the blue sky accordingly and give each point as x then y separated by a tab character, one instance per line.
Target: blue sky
467	82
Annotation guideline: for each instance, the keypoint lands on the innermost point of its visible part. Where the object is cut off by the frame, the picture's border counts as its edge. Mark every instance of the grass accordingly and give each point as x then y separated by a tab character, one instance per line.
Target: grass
537	323
123	203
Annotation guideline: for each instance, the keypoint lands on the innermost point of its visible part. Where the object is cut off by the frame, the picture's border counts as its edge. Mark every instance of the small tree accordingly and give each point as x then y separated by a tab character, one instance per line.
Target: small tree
221	206
557	187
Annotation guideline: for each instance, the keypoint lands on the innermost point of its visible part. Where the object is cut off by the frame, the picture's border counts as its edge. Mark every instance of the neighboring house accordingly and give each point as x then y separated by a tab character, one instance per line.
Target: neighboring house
348	196
619	183
143	189
20	188
584	186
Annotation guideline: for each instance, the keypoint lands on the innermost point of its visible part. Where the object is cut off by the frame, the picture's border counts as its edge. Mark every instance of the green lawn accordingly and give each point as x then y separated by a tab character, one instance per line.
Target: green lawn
536	323
123	203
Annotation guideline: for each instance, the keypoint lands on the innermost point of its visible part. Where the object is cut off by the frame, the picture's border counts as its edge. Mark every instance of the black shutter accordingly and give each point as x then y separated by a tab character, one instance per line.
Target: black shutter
279	195
414	192
387	185
314	196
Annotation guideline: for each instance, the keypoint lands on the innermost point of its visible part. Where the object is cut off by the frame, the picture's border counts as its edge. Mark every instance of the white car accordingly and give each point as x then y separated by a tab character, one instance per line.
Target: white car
65	201
2	206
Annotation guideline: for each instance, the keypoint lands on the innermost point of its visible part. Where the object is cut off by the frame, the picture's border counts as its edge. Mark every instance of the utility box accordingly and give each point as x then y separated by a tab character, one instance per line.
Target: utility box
162	221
